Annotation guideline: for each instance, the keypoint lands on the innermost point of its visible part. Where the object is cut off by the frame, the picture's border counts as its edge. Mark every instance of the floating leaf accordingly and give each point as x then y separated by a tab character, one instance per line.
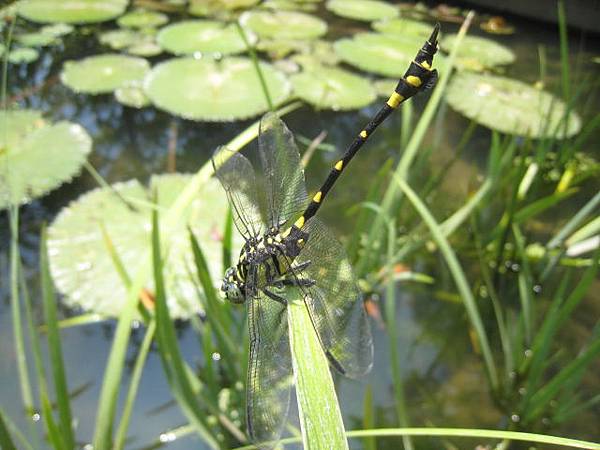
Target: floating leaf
36	157
36	39
477	53
103	73
142	19
211	90
81	264
132	95
384	54
23	55
216	7
510	106
118	39
332	88
289	5
57	29
385	87
204	36
283	24
367	10
146	47
404	27
71	11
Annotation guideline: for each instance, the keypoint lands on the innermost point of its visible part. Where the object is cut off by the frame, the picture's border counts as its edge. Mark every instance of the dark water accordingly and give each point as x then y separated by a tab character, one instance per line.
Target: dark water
444	378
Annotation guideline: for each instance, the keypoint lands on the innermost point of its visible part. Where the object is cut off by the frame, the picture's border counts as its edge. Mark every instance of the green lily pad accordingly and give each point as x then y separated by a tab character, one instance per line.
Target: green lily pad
23	55
477	53
145	48
289	5
217	7
103	73
283	24
57	29
205	89
36	156
385	87
510	106
81	265
36	39
403	27
204	36
71	11
142	19
384	54
118	39
367	10
333	88
132	95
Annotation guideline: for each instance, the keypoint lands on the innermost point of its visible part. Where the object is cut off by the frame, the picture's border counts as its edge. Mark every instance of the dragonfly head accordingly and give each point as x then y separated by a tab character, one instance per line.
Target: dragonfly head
232	286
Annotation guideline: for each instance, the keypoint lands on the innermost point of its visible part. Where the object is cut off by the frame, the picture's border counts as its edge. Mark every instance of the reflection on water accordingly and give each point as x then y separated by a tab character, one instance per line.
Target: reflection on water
444	387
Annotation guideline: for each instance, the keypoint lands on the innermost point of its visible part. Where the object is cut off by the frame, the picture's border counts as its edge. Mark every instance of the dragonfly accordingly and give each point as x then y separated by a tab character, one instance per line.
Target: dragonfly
287	248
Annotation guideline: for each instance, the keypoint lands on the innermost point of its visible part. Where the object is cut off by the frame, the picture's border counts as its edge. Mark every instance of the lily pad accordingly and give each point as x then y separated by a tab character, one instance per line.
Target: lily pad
367	10
510	106
81	265
204	36
132	95
333	88
118	39
146	48
384	54
142	19
23	55
103	73
385	87
205	89
283	24
217	7
477	53
71	11
57	29
404	26
289	5
36	156
36	39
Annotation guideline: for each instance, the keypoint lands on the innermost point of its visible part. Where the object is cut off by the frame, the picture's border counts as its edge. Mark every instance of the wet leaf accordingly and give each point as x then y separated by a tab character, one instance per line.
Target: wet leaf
477	53
132	95
71	11
23	55
404	27
142	19
283	24
367	10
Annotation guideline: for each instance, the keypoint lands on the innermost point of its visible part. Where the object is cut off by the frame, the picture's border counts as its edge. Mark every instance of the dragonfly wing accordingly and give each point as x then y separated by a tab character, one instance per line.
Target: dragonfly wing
269	369
237	177
334	302
285	187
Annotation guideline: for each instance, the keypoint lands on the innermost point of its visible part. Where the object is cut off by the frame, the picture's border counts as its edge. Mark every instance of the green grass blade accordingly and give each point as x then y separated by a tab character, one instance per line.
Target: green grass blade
541	205
459	278
136	375
6	441
586	231
369	443
564	51
320	416
574	222
54	347
475	433
525	283
228	241
20	351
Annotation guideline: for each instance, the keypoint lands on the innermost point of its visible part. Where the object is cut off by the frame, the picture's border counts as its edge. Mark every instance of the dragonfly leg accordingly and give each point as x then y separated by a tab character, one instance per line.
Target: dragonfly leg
298	282
278	298
300	267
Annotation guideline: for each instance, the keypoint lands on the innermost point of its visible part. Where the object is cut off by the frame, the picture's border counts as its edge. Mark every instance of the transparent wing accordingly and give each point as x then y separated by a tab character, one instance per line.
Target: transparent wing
283	174
269	369
334	302
237	177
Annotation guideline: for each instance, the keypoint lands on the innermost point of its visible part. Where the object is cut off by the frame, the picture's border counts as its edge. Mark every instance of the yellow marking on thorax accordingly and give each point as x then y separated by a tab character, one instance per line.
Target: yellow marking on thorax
425	65
317	197
339	164
300	242
286	233
394	100
363	134
300	222
413	81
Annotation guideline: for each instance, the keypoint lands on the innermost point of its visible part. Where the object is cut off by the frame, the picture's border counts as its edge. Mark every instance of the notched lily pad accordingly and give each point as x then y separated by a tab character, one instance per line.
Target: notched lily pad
132	95
203	36
80	263
142	19
71	11
404	27
477	53
36	156
205	89
332	88
283	24
510	106
367	10
384	54
103	73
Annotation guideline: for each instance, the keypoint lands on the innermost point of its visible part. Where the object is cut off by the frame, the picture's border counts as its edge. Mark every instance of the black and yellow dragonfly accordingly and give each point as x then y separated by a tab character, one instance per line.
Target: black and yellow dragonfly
287	247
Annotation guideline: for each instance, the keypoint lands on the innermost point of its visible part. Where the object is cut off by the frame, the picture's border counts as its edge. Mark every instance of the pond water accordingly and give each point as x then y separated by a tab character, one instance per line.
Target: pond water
444	378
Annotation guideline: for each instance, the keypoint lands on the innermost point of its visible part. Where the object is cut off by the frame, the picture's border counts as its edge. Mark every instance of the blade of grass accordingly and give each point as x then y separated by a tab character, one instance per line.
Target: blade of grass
54	347
320	417
564	51
369	443
525	283
6	428
136	375
227	240
6	441
459	279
